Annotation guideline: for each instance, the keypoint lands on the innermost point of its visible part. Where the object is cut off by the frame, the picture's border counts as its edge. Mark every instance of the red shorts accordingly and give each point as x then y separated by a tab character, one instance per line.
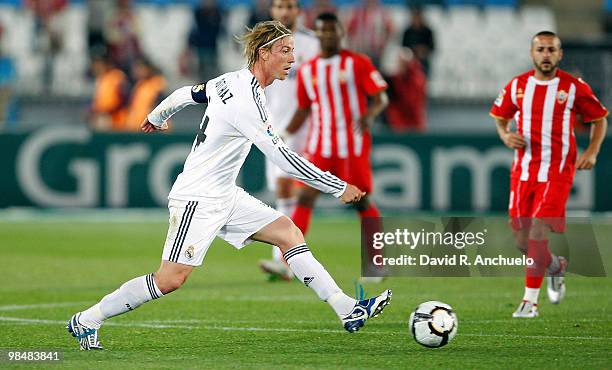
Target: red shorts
542	200
355	170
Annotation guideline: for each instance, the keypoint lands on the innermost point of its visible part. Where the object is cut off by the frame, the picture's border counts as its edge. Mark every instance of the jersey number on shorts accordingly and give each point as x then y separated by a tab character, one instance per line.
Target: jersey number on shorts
201	136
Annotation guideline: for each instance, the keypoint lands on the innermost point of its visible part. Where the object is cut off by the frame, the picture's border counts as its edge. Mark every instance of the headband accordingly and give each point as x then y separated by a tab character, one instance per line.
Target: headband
274	40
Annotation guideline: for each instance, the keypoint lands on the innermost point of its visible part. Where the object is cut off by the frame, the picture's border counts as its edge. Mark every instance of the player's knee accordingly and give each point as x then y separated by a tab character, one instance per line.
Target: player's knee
170	282
291	235
539	230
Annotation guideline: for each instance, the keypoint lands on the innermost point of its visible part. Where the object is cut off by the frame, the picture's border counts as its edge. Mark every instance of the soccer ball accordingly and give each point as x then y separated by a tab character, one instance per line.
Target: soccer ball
433	324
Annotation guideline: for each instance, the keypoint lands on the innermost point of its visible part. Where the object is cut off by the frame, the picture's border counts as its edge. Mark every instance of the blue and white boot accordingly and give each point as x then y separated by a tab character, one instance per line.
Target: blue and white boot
365	310
87	337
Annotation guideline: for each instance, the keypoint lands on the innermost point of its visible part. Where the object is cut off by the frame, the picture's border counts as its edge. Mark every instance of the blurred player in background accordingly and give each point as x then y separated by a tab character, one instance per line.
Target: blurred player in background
544	103
334	89
282	100
146	93
110	96
205	201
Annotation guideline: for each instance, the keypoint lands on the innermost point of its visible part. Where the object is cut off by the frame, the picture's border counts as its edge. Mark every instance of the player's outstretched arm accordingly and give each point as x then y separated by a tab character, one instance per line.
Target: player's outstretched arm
273	147
588	158
251	123
175	102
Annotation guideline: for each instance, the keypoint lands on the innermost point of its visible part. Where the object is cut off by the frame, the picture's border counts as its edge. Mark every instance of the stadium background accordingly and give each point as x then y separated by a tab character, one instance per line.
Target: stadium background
67	237
51	158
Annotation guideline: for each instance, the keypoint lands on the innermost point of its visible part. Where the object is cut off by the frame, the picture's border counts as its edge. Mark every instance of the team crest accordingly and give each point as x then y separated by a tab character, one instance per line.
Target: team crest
189	253
342	76
561	96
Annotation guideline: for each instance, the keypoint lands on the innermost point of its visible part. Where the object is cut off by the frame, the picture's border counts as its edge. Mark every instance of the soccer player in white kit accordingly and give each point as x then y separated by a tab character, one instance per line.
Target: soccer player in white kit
282	100
205	201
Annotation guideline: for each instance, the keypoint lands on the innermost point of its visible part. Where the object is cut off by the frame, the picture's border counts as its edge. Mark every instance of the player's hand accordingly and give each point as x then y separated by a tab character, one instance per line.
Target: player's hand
364	124
587	160
147	126
513	140
352	194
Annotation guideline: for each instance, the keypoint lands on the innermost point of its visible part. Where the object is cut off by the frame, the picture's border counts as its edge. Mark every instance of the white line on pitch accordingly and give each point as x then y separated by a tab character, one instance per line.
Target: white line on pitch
17	307
158	325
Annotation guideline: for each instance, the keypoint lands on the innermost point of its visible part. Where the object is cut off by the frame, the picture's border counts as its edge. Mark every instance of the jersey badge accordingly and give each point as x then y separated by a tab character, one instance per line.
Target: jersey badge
561	96
342	76
190	252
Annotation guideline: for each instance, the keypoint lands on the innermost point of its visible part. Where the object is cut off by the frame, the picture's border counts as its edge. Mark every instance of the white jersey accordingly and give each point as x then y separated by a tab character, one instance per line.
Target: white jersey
235	118
282	94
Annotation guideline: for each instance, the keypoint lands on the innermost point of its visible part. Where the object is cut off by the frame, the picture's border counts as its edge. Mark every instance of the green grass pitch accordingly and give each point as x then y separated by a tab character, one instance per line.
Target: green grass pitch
228	316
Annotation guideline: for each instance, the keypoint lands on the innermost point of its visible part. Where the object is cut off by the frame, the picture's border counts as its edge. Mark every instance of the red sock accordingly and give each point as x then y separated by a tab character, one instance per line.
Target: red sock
370	224
538	251
301	217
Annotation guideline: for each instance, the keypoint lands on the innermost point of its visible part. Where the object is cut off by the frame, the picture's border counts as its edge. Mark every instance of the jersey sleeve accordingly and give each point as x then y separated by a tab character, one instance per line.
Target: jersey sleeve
251	123
179	99
302	95
503	107
587	103
370	79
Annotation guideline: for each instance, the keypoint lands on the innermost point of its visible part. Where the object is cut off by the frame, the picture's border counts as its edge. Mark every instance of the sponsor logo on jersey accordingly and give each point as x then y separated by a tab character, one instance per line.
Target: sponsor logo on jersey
519	93
500	98
272	134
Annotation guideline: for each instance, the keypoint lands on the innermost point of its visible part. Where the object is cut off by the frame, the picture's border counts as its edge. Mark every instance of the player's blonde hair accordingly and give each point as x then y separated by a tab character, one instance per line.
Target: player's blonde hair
261	36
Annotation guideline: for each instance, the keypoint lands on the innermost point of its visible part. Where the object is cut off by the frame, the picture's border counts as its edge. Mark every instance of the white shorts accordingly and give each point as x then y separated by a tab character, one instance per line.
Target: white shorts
195	224
297	143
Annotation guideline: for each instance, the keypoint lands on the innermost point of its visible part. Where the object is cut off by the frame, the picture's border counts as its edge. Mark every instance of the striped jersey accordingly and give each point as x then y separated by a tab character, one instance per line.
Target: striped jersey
545	114
336	90
236	117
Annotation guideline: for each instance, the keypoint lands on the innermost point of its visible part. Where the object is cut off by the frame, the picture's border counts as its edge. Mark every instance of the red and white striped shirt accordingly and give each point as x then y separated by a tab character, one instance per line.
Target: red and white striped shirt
336	90
545	113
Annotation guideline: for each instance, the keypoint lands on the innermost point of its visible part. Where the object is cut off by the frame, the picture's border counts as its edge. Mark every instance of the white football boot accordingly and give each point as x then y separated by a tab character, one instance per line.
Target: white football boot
526	309
556	283
276	270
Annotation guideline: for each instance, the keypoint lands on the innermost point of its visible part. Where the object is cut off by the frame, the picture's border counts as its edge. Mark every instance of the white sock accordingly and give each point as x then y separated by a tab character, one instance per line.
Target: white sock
128	297
313	275
286	207
277	254
531	295
341	303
